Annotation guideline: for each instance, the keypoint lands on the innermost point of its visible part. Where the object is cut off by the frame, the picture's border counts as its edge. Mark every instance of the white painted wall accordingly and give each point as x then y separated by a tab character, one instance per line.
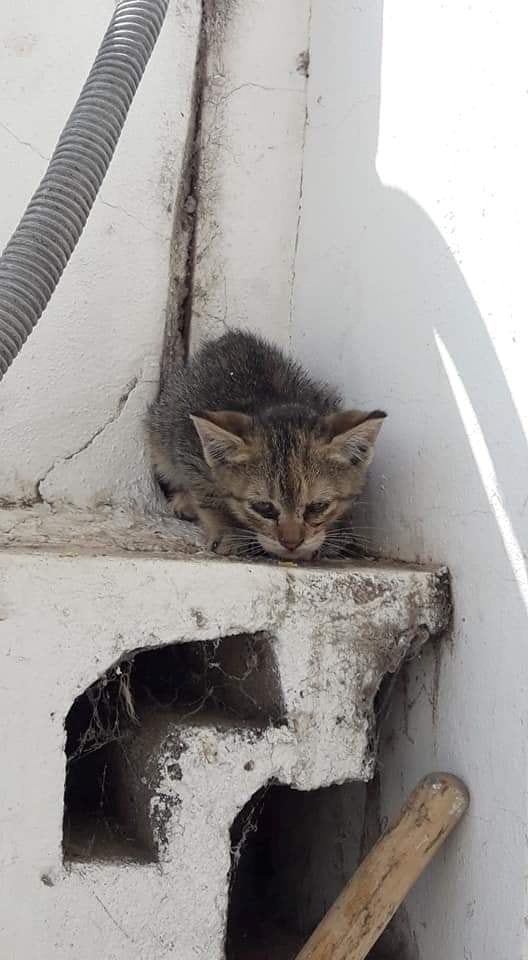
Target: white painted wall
90	367
253	130
411	292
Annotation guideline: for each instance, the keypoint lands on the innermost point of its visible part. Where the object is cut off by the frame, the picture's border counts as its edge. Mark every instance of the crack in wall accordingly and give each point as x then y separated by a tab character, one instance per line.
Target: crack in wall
186	306
123	400
183	243
105	203
131	216
255	86
23	143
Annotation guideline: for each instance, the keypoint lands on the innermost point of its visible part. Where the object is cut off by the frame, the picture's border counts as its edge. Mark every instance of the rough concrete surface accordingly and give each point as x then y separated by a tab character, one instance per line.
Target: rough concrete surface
68	615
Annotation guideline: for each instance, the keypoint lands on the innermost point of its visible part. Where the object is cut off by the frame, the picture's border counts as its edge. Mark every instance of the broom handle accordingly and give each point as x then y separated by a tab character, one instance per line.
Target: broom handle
382	881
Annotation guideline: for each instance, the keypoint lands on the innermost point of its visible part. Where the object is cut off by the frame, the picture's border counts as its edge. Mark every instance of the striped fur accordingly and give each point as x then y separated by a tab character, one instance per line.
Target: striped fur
244	440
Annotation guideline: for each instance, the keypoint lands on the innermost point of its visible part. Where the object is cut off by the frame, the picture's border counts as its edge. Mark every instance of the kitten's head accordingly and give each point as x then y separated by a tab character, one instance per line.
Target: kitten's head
289	477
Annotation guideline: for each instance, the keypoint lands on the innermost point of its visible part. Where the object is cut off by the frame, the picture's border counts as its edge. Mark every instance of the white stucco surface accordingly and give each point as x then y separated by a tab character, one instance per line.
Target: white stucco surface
410	291
252	135
67	615
91	365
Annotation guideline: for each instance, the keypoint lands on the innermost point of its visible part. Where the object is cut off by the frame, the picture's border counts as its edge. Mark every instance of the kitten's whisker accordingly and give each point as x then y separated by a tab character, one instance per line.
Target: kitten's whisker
240	532
252	555
338	554
240	537
355	526
346	531
365	526
245	550
235	542
347	538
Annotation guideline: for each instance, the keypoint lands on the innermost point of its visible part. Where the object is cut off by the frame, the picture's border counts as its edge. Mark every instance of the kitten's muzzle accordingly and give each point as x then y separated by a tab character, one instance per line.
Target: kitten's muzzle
304	550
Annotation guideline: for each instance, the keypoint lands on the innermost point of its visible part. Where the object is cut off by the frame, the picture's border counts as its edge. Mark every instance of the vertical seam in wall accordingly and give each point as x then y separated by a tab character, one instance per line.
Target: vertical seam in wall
194	179
301	181
183	243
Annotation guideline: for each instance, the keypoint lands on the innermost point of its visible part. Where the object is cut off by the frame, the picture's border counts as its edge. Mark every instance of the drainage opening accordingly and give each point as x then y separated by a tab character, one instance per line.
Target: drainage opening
231	681
292	854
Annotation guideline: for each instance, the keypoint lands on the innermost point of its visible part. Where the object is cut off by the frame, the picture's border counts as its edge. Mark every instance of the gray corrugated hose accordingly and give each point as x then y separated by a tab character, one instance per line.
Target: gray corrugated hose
37	253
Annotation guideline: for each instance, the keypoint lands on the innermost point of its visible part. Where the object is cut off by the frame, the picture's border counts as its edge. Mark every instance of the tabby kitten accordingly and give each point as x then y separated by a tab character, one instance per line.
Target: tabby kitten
244	441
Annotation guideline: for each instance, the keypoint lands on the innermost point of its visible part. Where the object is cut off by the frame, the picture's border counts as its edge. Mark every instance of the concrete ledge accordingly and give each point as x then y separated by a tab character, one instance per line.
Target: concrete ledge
105	530
72	611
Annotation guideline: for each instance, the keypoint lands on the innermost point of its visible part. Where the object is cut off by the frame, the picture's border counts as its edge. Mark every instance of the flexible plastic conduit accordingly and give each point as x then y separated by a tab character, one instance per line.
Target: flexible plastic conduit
37	253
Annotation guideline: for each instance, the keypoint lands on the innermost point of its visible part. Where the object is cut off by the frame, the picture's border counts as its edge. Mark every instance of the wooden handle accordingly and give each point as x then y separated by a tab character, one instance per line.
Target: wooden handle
379	885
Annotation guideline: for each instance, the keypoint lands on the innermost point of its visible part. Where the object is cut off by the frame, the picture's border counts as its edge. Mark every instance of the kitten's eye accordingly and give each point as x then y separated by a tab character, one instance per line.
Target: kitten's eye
317	507
265	509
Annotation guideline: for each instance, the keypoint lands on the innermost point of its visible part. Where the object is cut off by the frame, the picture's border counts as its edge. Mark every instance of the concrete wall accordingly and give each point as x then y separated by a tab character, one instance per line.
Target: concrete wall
410	291
67	617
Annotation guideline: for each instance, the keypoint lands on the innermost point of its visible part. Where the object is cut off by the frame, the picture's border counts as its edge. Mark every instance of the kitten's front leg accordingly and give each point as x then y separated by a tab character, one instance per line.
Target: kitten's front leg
183	505
217	530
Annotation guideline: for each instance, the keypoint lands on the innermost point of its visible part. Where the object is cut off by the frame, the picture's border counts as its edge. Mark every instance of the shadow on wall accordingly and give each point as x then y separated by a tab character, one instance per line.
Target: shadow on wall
404	327
385	311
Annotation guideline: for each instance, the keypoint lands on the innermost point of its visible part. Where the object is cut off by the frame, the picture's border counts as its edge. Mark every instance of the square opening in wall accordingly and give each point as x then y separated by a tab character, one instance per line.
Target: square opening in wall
233	680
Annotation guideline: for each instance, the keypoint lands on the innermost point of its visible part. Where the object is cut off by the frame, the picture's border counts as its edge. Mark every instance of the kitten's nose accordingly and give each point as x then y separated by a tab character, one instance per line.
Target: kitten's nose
291	543
290	533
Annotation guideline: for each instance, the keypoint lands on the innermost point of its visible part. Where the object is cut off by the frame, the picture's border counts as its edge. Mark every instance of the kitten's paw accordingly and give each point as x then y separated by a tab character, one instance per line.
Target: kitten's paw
182	506
222	547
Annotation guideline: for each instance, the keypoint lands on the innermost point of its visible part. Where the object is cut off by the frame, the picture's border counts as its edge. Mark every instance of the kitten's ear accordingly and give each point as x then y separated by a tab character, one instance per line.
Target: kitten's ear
351	435
223	435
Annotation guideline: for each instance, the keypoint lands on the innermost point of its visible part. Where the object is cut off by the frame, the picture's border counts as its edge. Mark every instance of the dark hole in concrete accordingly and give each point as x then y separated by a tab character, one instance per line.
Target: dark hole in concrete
114	726
292	854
